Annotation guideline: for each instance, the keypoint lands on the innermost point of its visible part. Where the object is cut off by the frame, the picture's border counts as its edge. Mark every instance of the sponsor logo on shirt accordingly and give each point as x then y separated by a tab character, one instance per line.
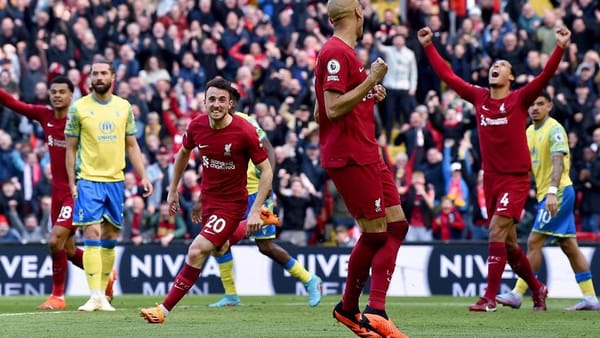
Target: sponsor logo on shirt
216	164
52	142
107	129
486	121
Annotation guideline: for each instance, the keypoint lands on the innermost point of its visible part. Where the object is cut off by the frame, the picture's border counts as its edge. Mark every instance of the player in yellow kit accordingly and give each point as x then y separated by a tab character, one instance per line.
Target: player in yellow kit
100	129
549	149
263	237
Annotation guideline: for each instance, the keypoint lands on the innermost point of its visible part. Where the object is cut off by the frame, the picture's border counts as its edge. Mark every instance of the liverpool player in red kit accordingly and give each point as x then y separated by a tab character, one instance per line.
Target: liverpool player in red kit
226	144
501	120
346	97
61	241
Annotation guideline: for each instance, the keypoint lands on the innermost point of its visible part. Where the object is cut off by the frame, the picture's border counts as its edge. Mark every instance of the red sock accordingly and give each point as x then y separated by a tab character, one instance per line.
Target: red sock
77	259
520	264
496	264
185	279
384	263
359	266
59	272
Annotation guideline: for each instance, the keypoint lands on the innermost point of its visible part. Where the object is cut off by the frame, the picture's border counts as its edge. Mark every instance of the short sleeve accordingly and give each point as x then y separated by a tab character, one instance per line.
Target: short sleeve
558	140
337	72
73	126
256	148
131	128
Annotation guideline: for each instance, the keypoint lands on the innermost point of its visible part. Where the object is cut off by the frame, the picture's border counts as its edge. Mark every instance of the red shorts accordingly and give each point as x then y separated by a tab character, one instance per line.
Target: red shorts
367	190
219	224
62	209
505	195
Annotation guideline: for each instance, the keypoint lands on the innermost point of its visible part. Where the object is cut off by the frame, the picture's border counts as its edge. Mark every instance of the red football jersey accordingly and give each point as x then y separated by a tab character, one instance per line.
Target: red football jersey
54	129
349	139
224	156
500	123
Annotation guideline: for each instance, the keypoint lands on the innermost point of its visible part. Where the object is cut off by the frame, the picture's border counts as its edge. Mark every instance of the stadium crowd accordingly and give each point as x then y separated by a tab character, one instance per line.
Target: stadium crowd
165	51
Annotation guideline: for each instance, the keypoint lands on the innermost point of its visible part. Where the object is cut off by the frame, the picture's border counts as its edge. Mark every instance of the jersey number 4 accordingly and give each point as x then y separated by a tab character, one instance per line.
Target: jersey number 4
504	200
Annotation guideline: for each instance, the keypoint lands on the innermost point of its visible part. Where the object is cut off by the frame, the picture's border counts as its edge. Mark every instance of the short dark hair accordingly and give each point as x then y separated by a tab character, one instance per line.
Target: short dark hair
545	95
219	83
65	80
105	61
234	93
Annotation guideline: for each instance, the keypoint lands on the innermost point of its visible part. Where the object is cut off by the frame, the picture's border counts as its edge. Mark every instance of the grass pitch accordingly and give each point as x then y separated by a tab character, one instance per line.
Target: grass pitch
289	316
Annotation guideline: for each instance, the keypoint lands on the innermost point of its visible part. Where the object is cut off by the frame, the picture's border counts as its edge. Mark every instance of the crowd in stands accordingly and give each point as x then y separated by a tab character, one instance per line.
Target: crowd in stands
165	51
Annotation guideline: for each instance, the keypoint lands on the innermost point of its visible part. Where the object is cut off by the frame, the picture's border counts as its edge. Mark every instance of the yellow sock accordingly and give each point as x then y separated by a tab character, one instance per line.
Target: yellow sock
226	270
108	262
298	271
92	264
521	286
587	288
584	279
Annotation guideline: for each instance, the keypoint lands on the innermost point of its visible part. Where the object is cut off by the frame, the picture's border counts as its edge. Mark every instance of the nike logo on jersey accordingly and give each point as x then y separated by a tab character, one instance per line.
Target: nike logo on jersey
50	124
361	69
484	107
202	146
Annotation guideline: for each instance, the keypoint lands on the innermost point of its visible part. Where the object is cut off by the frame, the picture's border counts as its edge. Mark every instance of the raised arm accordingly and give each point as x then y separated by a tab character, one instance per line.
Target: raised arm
441	67
29	110
530	92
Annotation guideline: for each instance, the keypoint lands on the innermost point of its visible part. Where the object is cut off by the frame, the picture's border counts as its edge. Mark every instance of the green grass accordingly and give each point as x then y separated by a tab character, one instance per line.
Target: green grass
289	316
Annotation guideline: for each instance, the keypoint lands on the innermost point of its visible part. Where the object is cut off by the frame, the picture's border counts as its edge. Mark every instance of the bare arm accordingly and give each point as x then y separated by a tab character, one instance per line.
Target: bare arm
72	143
557	169
135	156
181	161
264	188
270	151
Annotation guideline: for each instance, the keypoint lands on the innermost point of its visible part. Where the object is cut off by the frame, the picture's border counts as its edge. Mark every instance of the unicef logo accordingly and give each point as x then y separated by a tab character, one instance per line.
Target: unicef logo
107	127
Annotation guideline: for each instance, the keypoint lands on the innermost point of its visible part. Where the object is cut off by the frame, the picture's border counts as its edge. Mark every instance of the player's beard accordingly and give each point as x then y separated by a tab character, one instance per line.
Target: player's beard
101	88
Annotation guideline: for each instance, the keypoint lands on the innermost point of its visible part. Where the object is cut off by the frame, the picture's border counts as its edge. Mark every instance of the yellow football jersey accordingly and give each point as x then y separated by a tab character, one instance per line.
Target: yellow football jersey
548	138
101	128
253	172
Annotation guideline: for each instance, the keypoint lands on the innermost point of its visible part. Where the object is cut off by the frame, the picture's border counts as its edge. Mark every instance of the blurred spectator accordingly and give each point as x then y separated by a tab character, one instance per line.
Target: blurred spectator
589	179
8	234
167	227
418	208
160	174
448	223
400	82
295	202
136	226
29	228
189	195
343	237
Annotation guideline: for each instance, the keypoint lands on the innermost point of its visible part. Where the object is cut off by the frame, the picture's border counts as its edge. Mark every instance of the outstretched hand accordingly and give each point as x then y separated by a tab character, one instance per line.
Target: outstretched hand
563	36
425	36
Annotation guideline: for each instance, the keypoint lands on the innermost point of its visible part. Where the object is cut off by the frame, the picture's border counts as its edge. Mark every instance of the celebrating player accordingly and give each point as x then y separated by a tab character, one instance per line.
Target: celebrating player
265	236
501	115
346	97
226	143
62	240
100	129
549	149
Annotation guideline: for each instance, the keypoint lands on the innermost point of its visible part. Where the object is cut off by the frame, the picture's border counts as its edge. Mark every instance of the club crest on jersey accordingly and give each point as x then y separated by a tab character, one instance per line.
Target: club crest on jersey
228	149
378	205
